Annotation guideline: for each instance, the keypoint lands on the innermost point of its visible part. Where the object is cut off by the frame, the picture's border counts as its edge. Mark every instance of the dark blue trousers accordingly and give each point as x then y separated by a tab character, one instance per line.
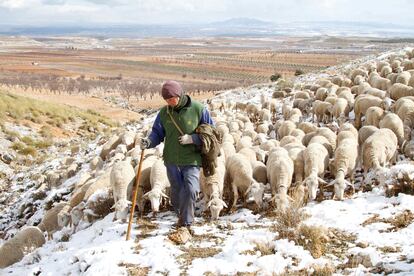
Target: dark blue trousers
184	190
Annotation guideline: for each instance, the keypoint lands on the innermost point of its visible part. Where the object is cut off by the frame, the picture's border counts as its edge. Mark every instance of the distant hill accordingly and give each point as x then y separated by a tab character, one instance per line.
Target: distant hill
231	27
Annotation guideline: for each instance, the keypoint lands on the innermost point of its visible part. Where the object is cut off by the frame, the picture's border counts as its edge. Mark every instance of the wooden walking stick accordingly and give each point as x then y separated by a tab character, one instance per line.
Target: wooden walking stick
134	197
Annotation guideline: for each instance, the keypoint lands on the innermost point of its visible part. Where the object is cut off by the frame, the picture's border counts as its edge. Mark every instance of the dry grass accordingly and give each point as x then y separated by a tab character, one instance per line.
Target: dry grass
265	248
287	222
135	270
402	220
403	184
315	270
22	108
399	221
193	252
313	239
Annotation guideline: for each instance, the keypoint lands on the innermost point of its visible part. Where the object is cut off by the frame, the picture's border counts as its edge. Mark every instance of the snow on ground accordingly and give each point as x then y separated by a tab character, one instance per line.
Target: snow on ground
236	242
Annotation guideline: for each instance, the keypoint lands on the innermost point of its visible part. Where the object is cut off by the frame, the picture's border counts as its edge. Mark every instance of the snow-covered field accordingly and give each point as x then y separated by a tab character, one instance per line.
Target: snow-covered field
367	233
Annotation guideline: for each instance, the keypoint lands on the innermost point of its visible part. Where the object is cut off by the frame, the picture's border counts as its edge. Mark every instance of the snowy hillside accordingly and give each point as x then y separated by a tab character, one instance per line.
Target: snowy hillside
369	232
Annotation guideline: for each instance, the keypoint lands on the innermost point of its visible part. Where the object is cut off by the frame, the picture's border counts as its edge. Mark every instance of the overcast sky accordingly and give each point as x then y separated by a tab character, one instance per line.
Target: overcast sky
80	12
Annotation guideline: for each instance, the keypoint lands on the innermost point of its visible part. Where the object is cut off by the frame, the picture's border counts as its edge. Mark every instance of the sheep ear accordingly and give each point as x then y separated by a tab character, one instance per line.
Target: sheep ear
209	204
330	184
224	203
349	183
164	195
290	199
146	195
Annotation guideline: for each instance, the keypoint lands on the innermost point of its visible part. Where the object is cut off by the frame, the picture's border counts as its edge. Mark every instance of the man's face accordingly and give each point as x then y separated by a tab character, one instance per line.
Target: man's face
172	101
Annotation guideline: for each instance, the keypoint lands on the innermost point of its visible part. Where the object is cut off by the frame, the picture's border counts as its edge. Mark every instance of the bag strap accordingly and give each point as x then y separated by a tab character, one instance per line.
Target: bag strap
174	122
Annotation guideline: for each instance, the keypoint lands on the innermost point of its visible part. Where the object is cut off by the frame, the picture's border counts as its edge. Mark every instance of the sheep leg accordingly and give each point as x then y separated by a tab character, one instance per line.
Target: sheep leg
235	198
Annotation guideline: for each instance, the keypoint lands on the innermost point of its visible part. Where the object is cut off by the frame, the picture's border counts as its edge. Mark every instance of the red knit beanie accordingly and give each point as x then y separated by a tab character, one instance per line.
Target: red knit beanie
171	89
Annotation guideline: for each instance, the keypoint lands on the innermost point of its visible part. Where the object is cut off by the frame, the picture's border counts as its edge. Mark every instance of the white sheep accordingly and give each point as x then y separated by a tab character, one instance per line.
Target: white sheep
159	185
122	179
362	103
378	150
316	159
399	90
239	176
212	188
373	116
279	172
344	164
49	222
365	132
25	241
393	122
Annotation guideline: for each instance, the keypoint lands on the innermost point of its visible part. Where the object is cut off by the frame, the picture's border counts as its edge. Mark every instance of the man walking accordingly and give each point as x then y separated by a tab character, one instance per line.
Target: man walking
175	124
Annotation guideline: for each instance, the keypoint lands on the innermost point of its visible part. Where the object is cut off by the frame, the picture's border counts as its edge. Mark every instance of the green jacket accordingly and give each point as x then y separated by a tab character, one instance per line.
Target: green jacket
189	117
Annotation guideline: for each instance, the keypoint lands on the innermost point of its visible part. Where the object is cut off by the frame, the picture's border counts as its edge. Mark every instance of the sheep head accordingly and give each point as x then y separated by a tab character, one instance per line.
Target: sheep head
63	218
155	196
256	190
216	204
121	209
282	201
312	183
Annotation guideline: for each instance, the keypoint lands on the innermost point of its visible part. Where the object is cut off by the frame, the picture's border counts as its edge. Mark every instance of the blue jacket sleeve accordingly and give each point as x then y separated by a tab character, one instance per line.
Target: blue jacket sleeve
157	134
205	119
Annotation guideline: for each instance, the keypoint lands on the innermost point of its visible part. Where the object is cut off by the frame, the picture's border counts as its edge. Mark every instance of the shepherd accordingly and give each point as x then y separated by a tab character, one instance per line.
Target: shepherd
176	125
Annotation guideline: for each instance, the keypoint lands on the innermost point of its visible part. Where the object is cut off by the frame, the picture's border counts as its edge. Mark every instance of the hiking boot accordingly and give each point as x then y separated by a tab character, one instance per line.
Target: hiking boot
178	224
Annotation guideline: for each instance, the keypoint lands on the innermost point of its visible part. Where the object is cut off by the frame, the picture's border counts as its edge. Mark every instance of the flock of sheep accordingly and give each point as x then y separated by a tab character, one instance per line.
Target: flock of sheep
284	145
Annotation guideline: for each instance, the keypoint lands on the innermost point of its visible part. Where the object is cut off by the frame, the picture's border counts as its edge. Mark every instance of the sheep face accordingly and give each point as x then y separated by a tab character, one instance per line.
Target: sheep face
281	202
63	219
216	205
256	190
155	197
121	209
339	188
312	183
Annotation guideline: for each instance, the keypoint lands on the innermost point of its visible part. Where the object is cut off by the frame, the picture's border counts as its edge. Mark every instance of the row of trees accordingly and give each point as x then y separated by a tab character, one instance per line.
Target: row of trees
127	88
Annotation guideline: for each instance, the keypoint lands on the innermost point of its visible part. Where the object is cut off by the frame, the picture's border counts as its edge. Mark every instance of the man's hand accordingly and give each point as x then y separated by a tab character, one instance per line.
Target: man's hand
185	139
145	143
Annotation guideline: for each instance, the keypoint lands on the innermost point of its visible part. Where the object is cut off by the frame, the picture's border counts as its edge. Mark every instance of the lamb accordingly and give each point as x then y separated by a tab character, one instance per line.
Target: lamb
322	110
358	72
362	103
25	241
340	109
379	149
379	82
316	159
238	176
393	122
321	94
344	164
212	188
49	222
159	184
373	116
122	179
280	172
